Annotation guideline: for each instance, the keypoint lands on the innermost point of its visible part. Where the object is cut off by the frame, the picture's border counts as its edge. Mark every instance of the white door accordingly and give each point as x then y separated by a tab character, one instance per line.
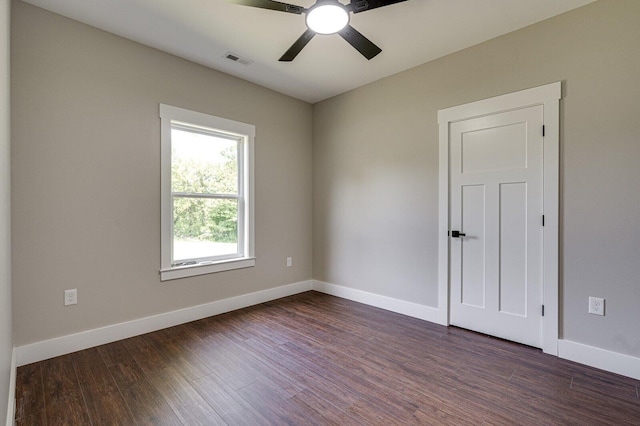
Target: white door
496	195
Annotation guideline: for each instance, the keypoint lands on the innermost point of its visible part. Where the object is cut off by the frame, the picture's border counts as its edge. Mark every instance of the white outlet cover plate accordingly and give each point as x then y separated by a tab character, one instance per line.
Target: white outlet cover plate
70	297
596	305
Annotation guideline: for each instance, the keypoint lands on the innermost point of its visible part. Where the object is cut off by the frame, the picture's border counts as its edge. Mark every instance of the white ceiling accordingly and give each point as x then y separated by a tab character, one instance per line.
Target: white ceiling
409	33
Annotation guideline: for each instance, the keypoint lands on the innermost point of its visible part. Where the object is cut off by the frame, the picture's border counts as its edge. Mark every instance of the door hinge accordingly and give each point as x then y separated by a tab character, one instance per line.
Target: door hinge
542	310
543	130
542	220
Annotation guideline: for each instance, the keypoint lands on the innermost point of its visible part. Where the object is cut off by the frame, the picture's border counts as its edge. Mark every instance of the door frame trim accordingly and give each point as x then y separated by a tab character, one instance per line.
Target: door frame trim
548	96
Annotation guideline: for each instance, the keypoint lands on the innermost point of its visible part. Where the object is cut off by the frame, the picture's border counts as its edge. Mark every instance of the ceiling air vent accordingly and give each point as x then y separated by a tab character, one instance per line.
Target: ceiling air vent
237	58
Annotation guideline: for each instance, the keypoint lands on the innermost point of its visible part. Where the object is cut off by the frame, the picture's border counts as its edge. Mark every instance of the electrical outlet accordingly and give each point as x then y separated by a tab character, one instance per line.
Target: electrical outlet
71	297
596	305
289	261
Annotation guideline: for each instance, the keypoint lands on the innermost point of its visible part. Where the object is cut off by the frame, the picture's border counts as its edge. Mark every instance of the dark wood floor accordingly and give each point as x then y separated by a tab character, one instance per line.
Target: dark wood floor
317	359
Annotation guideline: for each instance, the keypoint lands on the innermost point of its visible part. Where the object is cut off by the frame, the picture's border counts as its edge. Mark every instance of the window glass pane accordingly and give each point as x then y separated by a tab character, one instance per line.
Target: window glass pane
203	163
204	227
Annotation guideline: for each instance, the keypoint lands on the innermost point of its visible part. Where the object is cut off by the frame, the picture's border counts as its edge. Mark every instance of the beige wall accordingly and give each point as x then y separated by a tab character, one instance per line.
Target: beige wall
6	339
376	166
86	170
85	164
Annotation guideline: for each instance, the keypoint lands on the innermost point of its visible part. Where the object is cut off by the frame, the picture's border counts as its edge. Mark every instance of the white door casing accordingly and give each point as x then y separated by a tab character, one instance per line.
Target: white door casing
489	272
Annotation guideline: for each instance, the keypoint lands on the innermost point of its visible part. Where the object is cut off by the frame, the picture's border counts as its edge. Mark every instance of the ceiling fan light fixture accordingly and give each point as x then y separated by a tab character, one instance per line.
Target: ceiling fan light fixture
327	18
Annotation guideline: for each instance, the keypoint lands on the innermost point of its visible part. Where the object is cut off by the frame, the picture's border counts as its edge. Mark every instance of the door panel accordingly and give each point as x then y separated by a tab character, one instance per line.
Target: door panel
513	254
473	277
479	148
496	200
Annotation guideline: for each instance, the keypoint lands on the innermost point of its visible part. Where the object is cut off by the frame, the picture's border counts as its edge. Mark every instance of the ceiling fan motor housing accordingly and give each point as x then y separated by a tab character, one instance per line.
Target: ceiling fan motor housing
327	17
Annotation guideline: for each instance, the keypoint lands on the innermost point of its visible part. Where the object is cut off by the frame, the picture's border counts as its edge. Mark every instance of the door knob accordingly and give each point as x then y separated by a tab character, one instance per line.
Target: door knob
457	234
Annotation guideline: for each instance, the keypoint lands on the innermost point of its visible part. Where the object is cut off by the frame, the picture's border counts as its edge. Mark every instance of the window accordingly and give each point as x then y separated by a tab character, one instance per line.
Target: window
206	193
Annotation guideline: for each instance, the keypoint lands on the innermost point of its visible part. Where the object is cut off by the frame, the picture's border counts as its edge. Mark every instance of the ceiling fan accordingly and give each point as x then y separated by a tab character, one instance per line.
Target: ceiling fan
325	17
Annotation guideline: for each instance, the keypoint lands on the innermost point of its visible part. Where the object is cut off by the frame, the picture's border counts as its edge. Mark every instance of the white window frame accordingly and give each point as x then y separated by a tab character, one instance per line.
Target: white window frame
245	133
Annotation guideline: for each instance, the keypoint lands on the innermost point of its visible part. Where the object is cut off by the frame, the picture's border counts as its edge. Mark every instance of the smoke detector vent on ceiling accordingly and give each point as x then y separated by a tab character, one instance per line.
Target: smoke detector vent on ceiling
237	58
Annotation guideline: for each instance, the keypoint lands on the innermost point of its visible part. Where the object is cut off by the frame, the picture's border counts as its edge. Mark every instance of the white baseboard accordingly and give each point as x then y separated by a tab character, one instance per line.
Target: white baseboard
603	359
595	357
40	351
11	403
403	307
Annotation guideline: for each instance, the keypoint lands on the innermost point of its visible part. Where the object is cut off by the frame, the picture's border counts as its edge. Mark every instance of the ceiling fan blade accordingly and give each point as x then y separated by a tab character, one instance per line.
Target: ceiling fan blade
360	42
357	6
271	5
296	47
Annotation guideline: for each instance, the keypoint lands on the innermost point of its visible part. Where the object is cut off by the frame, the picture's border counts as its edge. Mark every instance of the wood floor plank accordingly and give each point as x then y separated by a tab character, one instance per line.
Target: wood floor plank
607	385
185	401
235	372
173	344
158	351
38	418
29	392
366	390
103	400
312	359
147	355
224	357
265	398
322	392
92	371
63	400
114	353
335	395
329	414
442	416
107	408
228	404
229	325
338	395
145	402
261	369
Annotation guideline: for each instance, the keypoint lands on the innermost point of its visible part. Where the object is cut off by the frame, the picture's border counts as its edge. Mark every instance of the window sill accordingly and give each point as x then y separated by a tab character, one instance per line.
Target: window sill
206	268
